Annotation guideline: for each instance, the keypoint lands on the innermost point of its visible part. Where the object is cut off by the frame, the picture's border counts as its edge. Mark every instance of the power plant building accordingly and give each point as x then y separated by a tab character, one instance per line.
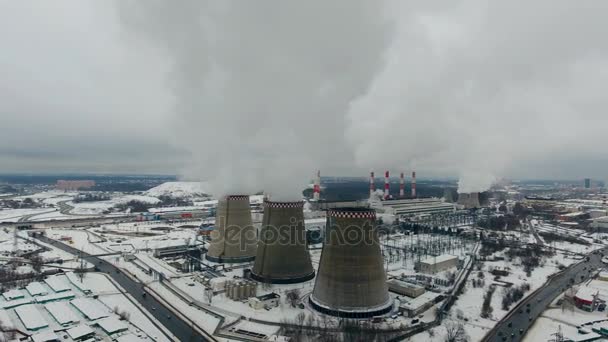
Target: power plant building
351	281
437	264
282	254
417	206
234	240
469	200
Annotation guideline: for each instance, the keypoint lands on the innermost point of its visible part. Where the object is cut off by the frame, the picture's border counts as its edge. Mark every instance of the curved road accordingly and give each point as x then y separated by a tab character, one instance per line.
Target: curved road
515	325
182	330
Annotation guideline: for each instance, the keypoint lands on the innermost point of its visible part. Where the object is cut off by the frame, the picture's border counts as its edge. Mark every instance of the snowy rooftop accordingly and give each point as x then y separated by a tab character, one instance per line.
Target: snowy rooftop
90	308
31	317
57	282
55	296
80	332
13	294
438	259
45	336
62	313
112	325
36	289
415	303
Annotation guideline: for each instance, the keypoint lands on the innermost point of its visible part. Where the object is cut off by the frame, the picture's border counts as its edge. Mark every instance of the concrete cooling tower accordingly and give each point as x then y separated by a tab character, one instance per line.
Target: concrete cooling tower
351	281
234	238
469	200
282	256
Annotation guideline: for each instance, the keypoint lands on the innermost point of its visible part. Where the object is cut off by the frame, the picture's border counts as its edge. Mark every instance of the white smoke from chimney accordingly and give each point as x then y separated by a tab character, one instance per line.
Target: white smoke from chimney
261	87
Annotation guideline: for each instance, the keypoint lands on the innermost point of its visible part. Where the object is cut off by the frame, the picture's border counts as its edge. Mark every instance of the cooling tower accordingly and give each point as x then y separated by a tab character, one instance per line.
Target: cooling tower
282	256
469	200
351	281
234	238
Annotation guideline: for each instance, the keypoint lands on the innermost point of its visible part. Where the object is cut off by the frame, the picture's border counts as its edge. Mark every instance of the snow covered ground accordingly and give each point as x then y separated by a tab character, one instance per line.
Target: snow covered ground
180	189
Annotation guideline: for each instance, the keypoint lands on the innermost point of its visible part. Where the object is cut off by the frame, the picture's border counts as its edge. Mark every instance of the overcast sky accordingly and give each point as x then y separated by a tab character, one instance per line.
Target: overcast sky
274	89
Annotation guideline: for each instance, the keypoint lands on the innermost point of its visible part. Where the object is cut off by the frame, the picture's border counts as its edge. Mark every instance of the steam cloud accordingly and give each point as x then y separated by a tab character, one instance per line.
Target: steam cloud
484	89
261	87
266	92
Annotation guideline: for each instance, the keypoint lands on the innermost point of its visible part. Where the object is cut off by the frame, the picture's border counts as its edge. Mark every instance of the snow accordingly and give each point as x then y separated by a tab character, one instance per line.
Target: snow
62	313
438	259
57	283
30	317
45	336
13	215
180	189
112	325
6	319
16	303
36	289
80	331
55	296
75	280
13	294
90	308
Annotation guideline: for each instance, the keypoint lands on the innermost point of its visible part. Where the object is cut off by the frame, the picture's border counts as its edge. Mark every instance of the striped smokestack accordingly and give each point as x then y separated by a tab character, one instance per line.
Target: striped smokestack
372	184
414	184
317	187
401	185
387	186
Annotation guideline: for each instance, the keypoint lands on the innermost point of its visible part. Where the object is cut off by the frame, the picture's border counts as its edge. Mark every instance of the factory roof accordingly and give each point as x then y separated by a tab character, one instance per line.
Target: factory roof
420	301
80	331
62	313
90	308
112	325
45	336
57	283
30	317
13	294
17	302
55	296
36	289
438	259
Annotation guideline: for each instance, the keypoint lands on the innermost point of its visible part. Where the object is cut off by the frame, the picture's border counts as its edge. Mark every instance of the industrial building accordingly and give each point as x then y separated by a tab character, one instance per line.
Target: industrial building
405	289
416	206
234	239
437	264
469	200
282	256
266	301
351	281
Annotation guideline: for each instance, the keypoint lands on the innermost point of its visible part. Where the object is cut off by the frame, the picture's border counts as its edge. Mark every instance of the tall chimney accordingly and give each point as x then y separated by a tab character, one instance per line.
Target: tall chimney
401	185
317	187
372	185
414	184
387	186
351	280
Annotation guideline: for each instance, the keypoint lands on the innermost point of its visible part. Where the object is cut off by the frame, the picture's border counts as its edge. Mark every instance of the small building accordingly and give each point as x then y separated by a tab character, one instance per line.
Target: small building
112	325
36	289
90	308
31	318
406	289
57	283
62	313
81	332
416	306
13	294
267	301
586	298
437	264
45	336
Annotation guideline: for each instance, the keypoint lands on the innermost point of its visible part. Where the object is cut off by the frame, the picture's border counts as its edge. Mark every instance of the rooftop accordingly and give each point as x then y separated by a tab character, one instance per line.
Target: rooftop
439	259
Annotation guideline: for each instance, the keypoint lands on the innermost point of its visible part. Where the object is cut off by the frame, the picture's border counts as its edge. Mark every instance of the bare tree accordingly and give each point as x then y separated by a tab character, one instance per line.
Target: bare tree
455	332
292	297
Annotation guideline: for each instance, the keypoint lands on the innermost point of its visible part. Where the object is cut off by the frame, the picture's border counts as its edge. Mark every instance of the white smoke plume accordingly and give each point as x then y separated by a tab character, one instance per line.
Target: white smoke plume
266	92
484	89
261	87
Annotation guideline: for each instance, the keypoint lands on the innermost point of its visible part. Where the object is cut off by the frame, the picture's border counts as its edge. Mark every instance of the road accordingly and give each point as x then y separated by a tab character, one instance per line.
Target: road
182	330
522	317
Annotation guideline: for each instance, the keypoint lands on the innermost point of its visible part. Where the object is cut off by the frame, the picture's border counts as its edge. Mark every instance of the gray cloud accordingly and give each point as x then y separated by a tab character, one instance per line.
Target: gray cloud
262	93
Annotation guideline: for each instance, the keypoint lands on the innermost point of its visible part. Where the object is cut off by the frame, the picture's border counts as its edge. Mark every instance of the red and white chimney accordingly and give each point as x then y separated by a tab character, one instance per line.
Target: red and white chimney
317	187
414	184
372	184
387	186
401	185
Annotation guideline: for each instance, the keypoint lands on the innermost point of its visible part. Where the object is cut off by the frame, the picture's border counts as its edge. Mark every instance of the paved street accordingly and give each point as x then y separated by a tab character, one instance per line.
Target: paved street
523	316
